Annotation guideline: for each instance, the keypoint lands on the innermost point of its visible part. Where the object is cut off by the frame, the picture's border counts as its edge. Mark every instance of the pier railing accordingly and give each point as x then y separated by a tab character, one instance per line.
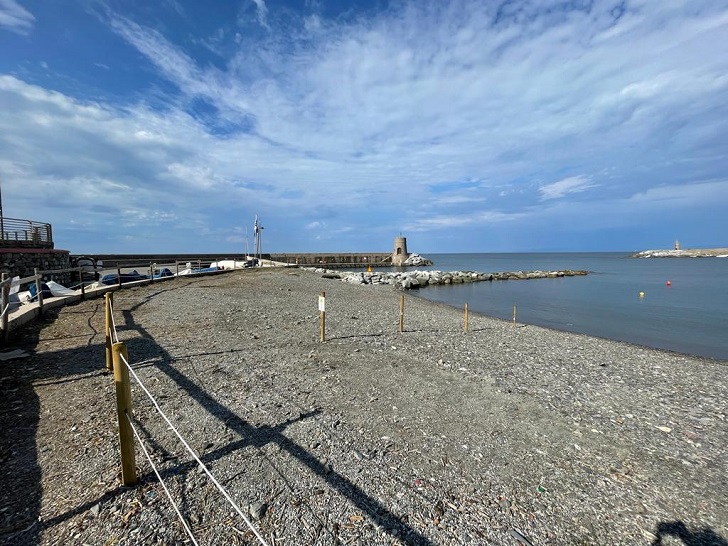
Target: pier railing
15	232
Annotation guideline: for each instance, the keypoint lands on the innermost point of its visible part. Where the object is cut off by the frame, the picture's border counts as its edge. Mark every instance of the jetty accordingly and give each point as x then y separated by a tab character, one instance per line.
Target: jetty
684	253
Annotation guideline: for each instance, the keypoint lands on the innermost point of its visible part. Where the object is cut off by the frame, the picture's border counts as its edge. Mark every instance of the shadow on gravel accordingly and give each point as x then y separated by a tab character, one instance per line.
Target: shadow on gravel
259	436
21	491
701	537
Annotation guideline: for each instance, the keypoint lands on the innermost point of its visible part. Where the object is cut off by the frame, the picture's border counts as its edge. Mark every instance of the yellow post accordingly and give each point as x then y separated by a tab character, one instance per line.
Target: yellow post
322	310
514	315
108	325
123	408
466	317
401	313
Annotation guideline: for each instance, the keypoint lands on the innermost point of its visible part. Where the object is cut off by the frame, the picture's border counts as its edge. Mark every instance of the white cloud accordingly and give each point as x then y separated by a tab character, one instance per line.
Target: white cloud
15	17
354	120
262	11
566	186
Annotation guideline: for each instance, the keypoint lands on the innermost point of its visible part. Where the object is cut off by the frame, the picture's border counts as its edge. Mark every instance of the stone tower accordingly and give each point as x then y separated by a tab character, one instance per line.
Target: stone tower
399	255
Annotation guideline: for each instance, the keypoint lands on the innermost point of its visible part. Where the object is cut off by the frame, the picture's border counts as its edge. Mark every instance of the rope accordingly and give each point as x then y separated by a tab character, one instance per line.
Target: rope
194	455
169	495
4	310
113	322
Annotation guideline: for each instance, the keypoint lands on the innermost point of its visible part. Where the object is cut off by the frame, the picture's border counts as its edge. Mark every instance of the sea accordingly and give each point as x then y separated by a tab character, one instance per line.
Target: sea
678	304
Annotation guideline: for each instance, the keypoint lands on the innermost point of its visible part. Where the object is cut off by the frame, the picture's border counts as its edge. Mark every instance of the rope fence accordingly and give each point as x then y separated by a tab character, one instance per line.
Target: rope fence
88	279
122	371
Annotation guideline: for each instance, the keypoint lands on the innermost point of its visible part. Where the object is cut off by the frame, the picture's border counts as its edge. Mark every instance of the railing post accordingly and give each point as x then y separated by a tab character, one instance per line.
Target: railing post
5	300
39	289
108	325
123	409
83	288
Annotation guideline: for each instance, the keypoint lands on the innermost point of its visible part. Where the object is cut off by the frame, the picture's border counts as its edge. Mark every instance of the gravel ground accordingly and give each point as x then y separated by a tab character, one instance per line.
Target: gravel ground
513	435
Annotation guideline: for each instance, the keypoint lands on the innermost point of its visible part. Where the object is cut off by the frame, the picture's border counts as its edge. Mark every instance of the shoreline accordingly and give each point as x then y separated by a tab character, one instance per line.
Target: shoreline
429	436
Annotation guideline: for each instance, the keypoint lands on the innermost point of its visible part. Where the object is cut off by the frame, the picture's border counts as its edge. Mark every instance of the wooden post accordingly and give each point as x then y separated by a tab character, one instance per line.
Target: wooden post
109	324
5	300
83	288
322	310
401	313
38	289
176	265
118	274
123	408
514	315
466	317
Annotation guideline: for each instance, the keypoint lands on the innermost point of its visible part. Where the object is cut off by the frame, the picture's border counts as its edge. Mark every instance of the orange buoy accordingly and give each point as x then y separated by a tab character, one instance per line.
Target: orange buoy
668	283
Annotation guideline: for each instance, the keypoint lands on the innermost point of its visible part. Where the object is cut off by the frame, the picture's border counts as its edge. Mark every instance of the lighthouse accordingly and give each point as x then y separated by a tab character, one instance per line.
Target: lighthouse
399	254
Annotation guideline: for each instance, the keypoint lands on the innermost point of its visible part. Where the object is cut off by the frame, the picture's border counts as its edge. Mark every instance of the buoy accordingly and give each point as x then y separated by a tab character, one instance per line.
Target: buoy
668	283
642	294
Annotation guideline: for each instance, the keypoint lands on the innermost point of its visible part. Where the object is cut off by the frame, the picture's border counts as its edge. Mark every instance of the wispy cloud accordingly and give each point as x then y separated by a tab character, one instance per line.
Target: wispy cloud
15	17
262	11
421	116
566	186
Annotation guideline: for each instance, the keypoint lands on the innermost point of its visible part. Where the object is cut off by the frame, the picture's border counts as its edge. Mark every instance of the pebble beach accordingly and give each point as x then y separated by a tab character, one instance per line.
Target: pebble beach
505	434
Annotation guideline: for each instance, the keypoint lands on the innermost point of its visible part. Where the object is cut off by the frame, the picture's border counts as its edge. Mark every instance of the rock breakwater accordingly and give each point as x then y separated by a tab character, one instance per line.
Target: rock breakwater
409	280
685	253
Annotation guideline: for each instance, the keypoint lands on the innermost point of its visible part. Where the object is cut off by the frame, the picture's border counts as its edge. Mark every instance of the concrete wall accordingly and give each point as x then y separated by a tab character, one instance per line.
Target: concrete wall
360	259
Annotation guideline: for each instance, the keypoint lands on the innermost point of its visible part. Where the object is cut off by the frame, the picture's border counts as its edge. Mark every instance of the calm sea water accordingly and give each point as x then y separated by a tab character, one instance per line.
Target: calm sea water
690	316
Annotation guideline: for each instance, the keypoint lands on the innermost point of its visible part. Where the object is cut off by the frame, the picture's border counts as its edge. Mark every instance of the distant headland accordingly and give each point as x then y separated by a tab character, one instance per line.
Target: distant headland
684	253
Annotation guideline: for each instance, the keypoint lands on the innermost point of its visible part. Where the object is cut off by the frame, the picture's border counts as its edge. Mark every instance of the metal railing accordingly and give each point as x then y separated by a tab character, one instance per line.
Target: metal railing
25	233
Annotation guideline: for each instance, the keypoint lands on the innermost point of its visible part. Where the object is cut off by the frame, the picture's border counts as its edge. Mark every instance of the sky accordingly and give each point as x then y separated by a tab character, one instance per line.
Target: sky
466	126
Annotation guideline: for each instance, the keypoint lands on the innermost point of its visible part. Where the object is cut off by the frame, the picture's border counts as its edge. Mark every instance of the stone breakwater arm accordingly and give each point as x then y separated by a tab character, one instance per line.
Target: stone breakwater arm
685	253
417	279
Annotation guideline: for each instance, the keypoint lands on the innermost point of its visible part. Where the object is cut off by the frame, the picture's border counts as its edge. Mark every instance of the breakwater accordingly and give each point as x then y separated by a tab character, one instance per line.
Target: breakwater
409	280
684	253
333	260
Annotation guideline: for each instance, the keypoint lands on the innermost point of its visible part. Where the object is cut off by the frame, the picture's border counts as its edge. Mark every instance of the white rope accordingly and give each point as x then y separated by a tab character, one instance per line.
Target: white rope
169	495
194	455
113	322
4	311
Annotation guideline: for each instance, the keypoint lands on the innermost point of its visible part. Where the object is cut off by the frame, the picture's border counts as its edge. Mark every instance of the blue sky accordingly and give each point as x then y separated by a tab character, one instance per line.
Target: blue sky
166	126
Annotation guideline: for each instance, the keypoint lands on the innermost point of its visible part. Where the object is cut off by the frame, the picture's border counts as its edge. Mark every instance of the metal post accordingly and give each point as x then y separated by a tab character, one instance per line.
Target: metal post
123	408
118	274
